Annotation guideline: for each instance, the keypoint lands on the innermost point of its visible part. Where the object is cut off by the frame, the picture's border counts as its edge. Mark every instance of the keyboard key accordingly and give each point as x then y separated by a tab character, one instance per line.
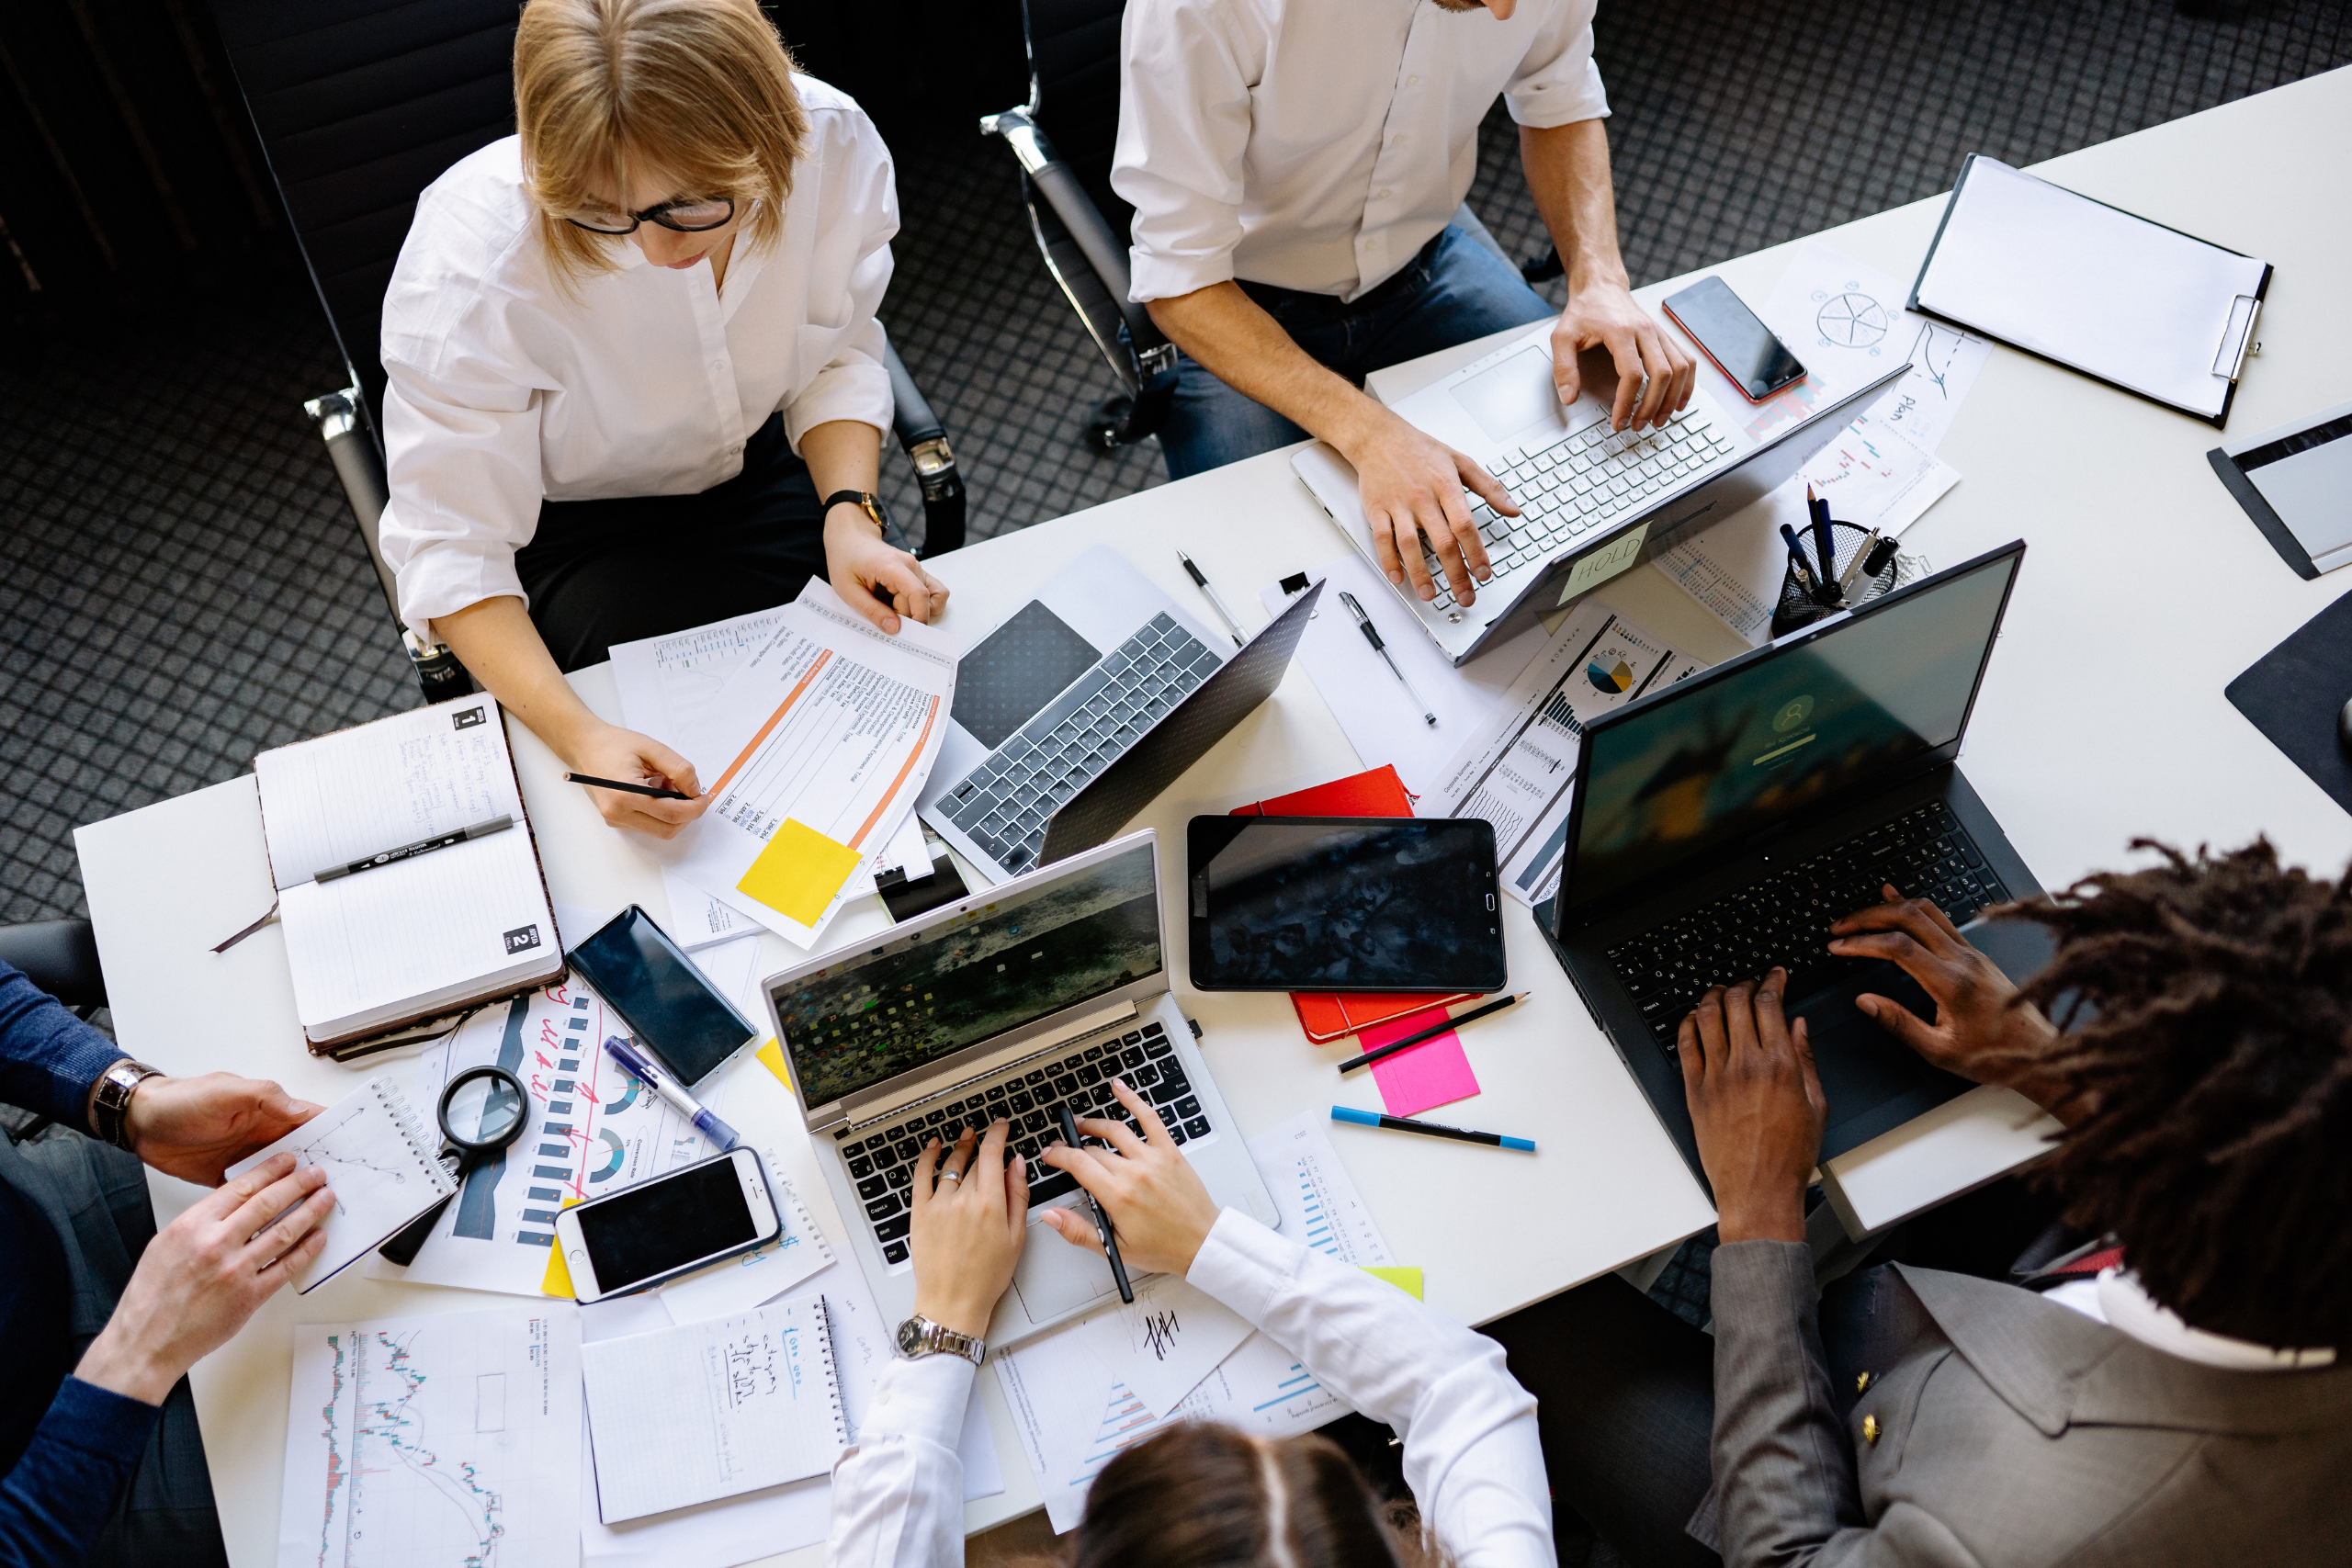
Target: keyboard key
907	1149
1148	1029
892	1229
1051	1185
1163	1093
894	1252
1178	1136
851	1150
996	1093
873	1187
1158	1048
1198	1127
1188	1107
899	1175
1092	1053
882	1208
861	1167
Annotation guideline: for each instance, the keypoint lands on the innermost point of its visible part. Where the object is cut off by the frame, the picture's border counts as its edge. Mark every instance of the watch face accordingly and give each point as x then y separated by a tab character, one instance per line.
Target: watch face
910	1336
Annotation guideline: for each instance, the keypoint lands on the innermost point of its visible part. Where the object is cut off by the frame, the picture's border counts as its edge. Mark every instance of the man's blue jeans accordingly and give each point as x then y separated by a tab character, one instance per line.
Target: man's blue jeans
1455	289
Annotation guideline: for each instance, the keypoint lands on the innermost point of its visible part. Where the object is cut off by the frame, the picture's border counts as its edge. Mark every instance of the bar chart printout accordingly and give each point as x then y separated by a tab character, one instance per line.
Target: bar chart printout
434	1440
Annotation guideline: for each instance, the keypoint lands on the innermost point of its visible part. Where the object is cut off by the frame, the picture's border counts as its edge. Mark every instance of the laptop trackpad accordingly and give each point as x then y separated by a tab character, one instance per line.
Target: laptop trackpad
1054	1278
1873	1082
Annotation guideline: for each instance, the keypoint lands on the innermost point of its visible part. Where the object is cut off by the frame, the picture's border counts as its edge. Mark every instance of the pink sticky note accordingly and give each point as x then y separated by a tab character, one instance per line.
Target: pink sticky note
1433	1073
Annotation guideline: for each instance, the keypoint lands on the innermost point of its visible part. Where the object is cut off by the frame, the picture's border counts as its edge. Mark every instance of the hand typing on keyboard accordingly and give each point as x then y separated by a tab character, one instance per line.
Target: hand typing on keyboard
1756	1107
1155	1200
971	1214
1411	485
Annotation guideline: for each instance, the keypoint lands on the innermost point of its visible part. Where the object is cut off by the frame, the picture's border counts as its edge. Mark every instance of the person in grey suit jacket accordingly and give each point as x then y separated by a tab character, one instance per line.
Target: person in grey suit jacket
2172	1396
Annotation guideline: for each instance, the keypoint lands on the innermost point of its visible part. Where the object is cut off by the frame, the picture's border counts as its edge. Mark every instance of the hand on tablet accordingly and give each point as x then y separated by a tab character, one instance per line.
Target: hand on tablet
1155	1200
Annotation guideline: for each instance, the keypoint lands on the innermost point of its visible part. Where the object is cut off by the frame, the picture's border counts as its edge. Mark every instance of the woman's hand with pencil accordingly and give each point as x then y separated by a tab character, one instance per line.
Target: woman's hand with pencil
1153	1195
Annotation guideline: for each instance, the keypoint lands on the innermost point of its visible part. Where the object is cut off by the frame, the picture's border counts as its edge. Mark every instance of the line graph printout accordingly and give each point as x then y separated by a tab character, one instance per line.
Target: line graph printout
1314	1195
1847	322
451	1440
379	1164
814	752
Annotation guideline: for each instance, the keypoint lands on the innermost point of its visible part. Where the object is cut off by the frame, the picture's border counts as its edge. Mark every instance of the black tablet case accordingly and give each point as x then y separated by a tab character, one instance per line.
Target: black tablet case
2293	693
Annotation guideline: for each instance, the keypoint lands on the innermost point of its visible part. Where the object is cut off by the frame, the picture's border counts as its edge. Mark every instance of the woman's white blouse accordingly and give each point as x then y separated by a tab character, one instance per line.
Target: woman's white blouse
1471	1453
505	391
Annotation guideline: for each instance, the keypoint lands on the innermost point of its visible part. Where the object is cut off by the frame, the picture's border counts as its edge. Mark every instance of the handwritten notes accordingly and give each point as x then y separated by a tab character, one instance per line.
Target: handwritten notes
1166	1342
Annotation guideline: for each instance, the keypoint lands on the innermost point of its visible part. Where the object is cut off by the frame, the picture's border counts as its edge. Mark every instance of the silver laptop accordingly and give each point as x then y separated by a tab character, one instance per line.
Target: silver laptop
1086	703
1591	497
1005	1004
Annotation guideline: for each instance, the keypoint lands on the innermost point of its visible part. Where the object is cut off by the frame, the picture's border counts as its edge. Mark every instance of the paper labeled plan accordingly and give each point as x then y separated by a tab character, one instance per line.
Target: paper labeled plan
451	1440
813	754
380	1164
1313	1194
1164	1342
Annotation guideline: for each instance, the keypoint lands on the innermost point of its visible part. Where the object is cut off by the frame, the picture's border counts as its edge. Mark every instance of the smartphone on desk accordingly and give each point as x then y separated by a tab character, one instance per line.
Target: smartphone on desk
667	1003
671	1225
1728	334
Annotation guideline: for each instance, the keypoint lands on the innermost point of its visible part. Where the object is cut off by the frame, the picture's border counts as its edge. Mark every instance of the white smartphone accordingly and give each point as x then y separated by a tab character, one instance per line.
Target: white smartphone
671	1225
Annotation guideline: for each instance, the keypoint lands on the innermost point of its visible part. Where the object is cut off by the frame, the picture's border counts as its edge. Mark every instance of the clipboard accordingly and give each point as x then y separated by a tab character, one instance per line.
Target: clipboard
2048	299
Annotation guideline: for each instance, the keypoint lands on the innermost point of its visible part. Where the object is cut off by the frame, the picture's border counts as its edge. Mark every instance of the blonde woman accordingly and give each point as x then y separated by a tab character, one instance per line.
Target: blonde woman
635	383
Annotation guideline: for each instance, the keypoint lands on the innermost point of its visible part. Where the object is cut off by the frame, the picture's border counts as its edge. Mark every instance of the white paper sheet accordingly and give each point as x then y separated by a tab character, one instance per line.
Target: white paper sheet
1163	1343
1847	322
377	1153
1315	1198
1381	722
455	1439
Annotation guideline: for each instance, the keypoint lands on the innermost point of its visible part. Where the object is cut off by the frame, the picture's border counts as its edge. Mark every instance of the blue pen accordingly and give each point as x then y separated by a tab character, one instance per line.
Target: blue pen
1430	1129
710	1126
1805	577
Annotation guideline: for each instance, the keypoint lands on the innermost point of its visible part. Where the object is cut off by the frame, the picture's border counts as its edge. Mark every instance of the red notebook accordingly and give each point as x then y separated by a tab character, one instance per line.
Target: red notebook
1324	1015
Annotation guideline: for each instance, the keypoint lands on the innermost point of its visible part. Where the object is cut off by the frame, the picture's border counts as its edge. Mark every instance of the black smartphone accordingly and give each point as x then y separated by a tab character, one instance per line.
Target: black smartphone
1344	904
670	1226
663	999
1728	334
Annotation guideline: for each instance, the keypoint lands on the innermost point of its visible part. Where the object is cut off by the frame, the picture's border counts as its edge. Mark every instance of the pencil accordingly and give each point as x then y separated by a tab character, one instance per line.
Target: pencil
656	791
1432	1031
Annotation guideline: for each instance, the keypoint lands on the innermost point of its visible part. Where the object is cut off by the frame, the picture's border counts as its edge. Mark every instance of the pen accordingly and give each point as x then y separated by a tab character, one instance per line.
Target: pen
1406	1124
422	847
1881	553
1824	545
1380	1053
1805	580
1223	613
1371	635
1854	569
710	1126
654	790
1101	1220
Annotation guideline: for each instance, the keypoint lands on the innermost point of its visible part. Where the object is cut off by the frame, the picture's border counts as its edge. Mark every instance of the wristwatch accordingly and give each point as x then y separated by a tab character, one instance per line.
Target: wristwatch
866	500
111	1107
919	1336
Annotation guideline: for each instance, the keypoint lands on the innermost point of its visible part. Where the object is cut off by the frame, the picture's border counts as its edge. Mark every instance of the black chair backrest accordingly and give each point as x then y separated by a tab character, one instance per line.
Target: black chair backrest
1074	80
360	104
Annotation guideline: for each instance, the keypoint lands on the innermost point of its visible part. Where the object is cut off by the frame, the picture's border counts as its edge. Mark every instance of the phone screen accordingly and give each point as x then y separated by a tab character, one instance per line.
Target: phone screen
1742	348
667	1004
666	1223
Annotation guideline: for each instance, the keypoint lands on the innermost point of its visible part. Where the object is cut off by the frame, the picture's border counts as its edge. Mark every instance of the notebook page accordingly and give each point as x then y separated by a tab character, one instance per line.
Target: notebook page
356	793
381	1165
2088	286
709	1410
444	924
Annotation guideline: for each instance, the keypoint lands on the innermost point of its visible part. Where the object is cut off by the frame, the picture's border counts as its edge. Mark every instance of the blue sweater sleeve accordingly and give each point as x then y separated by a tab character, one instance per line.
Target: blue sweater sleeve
49	1058
59	1495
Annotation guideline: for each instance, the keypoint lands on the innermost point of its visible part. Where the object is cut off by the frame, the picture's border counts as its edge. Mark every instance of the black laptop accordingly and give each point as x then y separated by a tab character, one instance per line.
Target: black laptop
1721	825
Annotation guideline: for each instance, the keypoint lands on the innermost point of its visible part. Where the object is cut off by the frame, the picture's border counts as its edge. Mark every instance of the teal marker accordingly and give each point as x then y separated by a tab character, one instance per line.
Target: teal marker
1429	1129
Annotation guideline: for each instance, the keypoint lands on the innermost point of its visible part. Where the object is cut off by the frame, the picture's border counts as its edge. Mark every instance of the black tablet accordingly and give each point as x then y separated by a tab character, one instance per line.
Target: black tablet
1344	904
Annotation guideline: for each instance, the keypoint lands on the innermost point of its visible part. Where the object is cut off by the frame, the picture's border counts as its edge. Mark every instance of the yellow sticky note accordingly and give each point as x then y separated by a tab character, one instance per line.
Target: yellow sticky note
557	1281
799	872
1406	1279
771	1056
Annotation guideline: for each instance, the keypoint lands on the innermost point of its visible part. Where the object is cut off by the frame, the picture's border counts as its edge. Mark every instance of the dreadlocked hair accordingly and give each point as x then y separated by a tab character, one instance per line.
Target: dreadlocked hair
2209	1009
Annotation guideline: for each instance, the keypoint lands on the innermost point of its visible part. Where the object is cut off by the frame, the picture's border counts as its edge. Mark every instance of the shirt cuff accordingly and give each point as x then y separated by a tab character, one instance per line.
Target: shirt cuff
1544	104
1243	1264
857	390
99	1421
925	1397
444	576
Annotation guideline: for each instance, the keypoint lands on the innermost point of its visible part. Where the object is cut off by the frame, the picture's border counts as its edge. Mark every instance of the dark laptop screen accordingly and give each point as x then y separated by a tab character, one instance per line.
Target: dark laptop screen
902	1005
1716	760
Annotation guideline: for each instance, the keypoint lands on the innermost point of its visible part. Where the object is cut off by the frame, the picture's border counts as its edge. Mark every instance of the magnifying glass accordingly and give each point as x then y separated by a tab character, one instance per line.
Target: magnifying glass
483	1110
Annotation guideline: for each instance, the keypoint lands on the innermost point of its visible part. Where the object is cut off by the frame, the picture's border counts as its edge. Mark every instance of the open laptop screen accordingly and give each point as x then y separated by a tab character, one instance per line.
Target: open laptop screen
1719	758
907	1003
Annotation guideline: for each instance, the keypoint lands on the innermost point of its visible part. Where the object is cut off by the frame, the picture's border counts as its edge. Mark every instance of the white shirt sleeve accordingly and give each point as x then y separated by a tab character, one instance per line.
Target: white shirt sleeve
1471	1455
1184	131
899	1494
1558	82
857	218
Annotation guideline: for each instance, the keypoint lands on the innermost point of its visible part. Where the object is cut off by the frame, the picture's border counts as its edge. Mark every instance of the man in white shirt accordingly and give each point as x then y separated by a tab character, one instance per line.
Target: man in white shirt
1295	166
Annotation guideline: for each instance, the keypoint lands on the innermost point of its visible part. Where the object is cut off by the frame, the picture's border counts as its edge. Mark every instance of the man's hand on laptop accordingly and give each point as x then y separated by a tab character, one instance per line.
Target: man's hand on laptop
1155	1200
971	1214
1756	1106
1604	315
1411	484
1982	1030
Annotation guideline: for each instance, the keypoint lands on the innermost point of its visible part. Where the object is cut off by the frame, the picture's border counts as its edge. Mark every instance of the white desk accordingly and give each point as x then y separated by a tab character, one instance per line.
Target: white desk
2103	717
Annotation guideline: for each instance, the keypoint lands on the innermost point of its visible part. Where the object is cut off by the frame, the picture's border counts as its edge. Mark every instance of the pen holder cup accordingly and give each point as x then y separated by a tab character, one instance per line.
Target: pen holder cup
1797	609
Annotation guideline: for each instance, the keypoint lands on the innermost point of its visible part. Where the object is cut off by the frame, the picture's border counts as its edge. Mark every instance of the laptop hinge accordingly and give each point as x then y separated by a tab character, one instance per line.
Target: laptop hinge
1044	1044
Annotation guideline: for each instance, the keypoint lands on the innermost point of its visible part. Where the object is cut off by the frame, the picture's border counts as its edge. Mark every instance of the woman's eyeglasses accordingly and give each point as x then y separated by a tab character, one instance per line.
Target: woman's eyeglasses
692	217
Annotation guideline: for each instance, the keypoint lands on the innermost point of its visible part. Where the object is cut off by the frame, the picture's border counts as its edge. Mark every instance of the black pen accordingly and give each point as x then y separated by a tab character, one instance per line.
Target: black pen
1381	1053
1202	583
656	791
1101	1220
422	847
1824	545
1371	635
1805	580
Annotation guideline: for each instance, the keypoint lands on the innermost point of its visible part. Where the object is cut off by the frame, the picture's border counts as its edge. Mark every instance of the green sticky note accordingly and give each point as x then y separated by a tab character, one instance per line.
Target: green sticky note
1406	1279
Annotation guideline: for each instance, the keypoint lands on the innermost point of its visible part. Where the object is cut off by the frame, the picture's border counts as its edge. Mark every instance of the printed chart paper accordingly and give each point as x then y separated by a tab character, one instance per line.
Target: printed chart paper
1314	1195
1847	322
379	1162
450	1440
1166	1341
814	752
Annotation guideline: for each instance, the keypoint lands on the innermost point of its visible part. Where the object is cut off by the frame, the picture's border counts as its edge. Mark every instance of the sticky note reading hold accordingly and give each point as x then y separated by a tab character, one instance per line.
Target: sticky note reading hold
798	872
1406	1279
557	1279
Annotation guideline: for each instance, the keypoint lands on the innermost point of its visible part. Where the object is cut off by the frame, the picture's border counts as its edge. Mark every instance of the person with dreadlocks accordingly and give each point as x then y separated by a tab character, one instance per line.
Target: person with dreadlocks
2162	1387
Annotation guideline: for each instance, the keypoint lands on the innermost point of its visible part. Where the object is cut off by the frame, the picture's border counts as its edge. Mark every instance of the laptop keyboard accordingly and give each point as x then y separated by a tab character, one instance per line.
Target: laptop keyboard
1005	802
882	1158
1583	481
1784	918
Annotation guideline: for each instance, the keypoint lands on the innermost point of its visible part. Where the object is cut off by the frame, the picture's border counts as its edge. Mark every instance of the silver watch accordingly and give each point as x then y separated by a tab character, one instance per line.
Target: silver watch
111	1107
919	1336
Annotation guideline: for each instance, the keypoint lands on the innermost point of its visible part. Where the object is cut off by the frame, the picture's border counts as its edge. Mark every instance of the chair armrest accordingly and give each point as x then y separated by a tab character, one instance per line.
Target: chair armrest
924	439
60	957
1104	251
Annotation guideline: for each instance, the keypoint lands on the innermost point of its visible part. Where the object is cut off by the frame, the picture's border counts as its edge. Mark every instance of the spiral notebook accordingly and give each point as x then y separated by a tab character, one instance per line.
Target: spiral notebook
382	1165
709	1410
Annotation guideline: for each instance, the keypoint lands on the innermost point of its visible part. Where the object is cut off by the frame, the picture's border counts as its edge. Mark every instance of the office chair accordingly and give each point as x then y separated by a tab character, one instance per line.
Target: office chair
61	958
361	103
1078	221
